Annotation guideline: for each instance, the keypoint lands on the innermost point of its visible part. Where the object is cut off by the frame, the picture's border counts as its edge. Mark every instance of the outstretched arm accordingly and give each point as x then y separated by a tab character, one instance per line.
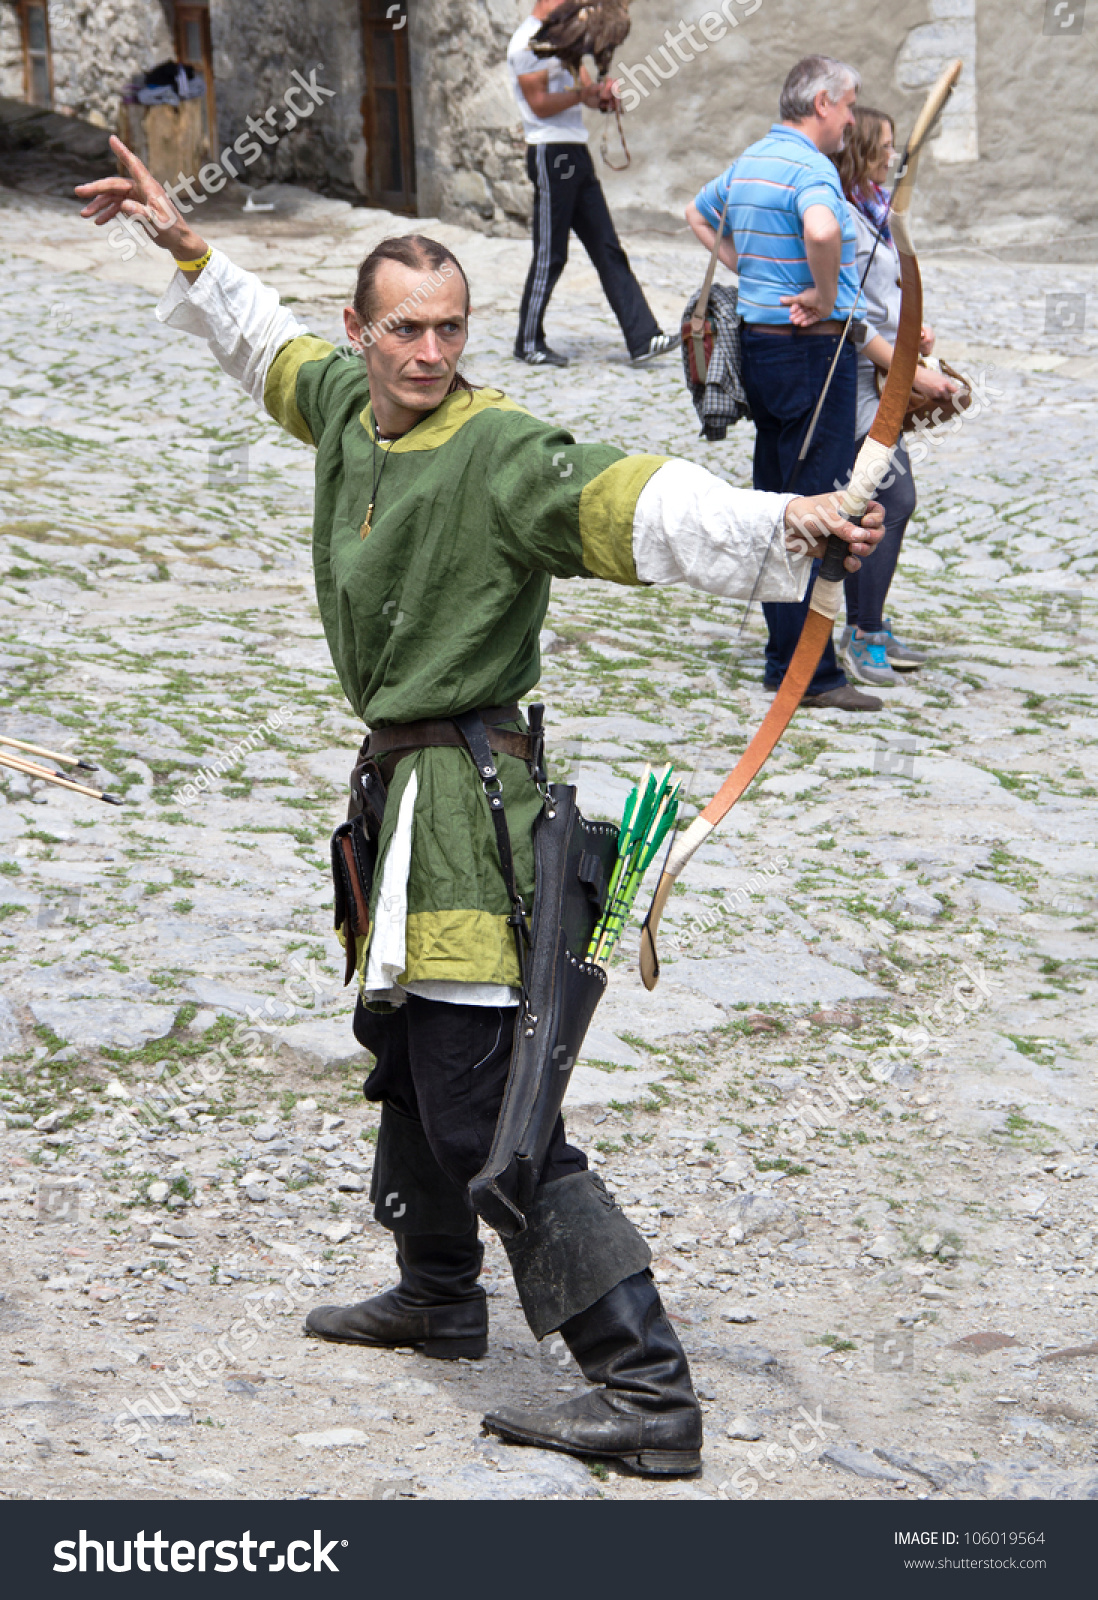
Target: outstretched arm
241	319
589	510
691	527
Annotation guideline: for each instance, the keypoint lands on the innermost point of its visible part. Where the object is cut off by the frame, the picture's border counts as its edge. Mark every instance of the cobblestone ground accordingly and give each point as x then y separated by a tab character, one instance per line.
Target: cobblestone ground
856	1119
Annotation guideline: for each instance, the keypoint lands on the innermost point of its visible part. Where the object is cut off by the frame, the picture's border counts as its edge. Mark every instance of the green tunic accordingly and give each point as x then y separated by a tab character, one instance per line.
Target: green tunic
439	609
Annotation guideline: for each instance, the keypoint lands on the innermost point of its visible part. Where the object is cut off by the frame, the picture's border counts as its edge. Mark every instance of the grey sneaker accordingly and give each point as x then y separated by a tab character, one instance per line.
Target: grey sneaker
901	655
845	699
658	345
866	662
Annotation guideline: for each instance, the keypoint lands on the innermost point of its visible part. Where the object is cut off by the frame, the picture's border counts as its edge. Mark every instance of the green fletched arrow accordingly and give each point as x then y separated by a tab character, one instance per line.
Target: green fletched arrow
649	812
631	819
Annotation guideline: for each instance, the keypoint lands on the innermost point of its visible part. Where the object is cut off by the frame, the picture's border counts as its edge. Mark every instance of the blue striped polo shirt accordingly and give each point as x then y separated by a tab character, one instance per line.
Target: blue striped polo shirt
770	188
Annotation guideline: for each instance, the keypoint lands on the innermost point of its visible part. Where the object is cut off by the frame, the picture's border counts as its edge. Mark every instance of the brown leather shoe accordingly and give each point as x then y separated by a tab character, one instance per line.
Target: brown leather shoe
845	699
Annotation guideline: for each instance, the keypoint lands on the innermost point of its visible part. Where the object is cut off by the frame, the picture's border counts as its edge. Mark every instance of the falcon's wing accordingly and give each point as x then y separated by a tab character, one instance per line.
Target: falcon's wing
609	29
565	31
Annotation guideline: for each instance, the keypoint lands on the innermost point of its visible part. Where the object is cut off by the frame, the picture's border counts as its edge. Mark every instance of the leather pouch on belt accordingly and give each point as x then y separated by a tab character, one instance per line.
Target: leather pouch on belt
354	857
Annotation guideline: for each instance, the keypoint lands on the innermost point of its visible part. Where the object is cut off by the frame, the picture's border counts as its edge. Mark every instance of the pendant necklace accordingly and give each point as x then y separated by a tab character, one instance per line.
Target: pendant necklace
375	440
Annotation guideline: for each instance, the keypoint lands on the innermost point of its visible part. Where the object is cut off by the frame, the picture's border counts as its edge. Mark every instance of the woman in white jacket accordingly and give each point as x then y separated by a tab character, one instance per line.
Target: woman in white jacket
869	650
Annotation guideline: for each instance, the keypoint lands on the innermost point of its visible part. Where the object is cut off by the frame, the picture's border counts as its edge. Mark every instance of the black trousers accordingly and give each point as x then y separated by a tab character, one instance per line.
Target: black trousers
867	589
568	198
445	1067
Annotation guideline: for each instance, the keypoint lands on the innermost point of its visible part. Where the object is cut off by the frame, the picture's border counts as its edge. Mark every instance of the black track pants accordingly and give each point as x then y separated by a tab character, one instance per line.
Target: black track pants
568	198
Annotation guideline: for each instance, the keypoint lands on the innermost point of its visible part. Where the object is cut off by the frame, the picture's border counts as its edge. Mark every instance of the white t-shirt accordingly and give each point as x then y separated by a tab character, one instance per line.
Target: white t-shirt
567	127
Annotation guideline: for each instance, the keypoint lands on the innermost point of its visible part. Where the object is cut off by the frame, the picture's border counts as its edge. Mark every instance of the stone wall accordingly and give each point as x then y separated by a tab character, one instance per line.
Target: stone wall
257	46
97	47
1004	168
11	53
1006	162
470	152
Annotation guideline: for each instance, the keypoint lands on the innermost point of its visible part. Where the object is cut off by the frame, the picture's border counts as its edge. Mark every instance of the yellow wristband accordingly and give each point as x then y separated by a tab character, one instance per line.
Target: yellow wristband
196	266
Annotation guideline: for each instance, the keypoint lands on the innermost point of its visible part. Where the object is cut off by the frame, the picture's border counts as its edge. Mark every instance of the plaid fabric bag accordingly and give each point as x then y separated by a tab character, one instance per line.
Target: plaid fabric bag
711	349
711	361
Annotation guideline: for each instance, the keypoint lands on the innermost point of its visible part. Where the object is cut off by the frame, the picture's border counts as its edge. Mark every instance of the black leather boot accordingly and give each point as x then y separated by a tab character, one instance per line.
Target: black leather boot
646	1416
438	1306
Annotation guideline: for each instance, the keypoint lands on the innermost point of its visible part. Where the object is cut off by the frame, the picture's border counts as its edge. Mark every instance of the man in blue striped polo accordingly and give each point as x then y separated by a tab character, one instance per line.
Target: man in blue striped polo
790	237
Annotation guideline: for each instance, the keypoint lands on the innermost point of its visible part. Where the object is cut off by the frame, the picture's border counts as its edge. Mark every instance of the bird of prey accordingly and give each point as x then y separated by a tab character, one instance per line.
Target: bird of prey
579	28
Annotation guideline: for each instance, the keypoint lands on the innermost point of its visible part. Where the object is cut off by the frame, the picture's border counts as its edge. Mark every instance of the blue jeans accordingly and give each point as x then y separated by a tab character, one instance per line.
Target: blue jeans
782	378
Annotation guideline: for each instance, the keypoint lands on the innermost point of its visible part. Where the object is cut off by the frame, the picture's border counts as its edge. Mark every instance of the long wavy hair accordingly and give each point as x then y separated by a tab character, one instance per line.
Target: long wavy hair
861	149
410	250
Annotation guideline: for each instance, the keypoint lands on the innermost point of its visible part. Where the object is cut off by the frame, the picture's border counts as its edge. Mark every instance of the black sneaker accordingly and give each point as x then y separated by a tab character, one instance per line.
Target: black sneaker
541	358
658	345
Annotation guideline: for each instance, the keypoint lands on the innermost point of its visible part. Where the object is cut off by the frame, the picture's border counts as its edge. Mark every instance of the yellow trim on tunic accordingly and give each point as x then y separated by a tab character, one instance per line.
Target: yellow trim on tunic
606	511
461	946
280	389
455	946
444	422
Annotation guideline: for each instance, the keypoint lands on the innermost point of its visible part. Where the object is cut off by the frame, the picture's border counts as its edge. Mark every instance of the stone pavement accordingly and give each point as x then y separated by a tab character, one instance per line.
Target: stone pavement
856	1119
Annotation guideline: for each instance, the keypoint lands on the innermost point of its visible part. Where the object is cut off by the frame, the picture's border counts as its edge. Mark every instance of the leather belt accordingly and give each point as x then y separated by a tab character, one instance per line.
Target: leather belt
832	326
402	737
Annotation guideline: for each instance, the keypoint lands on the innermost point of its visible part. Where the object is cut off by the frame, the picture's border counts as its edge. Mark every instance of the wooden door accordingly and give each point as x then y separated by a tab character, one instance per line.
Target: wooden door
193	47
387	106
34	26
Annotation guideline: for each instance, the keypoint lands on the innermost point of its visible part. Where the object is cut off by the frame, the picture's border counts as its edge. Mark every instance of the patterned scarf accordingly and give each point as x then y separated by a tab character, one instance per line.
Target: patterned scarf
873	202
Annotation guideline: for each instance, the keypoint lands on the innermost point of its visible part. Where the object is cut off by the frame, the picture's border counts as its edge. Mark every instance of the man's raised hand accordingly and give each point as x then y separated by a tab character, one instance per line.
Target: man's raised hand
609	94
137	194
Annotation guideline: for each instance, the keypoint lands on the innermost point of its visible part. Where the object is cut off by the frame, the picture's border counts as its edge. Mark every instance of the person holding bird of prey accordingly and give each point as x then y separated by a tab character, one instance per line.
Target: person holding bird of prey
568	196
441	517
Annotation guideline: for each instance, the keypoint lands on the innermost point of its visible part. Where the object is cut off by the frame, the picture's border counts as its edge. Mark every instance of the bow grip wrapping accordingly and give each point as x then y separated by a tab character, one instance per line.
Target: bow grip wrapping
869	472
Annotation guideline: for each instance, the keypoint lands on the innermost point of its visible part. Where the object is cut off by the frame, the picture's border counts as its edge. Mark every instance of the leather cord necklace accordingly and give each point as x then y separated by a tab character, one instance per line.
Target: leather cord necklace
375	440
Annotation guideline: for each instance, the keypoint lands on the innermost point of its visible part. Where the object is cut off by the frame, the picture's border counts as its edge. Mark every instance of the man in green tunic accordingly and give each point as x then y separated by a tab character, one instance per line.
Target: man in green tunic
442	515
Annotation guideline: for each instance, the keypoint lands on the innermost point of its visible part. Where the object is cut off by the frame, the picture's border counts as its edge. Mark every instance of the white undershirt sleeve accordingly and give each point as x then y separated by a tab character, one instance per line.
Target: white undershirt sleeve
691	527
241	319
